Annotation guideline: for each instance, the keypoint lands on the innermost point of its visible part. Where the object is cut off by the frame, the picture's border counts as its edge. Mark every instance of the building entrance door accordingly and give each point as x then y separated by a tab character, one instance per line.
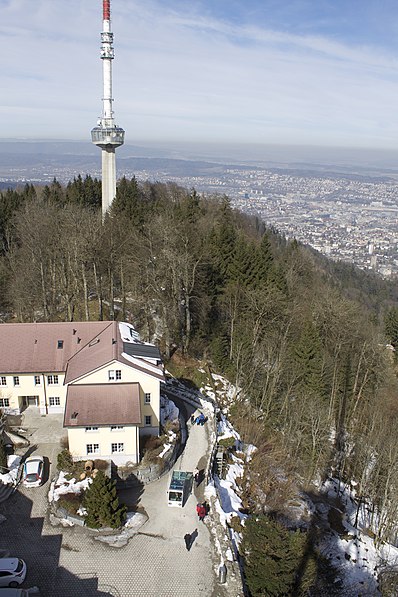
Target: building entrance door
31	401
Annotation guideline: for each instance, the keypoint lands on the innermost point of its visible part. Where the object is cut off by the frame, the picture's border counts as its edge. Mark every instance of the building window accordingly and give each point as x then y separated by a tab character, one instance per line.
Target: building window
3	380
16	380
148	420
114	375
4	402
92	449
52	380
117	448
55	401
37	380
89	429
147	398
60	344
117	427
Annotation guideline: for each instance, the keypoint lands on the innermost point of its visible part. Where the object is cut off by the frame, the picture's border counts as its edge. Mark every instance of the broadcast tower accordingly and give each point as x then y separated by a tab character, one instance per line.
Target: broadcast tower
107	134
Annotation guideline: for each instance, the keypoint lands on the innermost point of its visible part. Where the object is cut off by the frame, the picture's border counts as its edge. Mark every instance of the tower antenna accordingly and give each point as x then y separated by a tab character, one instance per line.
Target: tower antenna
107	135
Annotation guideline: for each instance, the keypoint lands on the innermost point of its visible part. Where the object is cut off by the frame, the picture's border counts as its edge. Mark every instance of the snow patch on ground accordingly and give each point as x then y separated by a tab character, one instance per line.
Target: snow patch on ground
13	463
225	430
62	486
172	440
354	552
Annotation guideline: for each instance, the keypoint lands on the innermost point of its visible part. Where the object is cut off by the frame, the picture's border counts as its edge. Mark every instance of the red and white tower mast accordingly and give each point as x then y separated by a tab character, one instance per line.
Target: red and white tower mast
107	135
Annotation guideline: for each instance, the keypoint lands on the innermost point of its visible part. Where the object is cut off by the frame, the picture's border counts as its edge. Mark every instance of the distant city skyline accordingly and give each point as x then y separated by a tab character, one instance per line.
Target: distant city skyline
315	72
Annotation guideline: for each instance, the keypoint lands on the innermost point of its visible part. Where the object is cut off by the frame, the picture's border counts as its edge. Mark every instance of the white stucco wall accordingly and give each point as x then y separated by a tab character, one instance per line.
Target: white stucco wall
27	387
148	385
79	438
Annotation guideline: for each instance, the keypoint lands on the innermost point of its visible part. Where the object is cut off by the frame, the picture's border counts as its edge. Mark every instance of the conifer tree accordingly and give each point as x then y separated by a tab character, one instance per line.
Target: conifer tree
273	557
127	201
54	193
102	504
265	259
391	326
309	361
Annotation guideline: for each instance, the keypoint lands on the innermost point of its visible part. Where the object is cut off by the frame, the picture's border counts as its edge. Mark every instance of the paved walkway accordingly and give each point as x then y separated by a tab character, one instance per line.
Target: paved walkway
155	563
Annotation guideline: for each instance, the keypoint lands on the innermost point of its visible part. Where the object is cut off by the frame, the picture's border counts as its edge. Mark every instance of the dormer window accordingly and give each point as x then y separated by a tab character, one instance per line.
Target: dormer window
60	344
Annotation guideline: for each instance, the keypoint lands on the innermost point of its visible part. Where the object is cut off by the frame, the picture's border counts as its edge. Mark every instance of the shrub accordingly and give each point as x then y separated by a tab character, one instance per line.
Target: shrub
152	457
235	524
102	504
226	442
173	426
65	461
101	465
150	442
71	502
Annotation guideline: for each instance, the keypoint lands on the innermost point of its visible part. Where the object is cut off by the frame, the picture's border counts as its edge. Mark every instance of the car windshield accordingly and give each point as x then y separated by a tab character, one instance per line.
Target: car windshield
20	566
32	477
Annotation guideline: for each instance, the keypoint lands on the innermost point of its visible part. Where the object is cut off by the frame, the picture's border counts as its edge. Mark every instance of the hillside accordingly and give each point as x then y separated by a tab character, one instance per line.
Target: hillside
302	339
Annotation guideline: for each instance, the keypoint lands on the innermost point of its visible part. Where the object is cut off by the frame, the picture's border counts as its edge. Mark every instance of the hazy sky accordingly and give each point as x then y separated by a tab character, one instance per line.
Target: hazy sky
264	71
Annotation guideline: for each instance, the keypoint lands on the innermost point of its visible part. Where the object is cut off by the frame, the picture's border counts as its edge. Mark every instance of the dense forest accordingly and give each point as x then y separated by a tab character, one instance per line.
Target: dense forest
303	339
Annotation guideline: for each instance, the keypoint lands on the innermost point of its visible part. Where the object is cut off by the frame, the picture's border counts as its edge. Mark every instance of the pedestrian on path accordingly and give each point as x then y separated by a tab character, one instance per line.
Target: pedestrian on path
189	539
200	419
196	476
201	511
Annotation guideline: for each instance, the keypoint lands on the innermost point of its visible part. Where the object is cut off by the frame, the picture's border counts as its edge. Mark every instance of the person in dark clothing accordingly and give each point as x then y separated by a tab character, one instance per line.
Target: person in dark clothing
201	419
189	539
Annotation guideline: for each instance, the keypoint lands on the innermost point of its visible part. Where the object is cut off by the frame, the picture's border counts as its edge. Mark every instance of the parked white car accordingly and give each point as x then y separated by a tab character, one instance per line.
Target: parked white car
12	572
33	469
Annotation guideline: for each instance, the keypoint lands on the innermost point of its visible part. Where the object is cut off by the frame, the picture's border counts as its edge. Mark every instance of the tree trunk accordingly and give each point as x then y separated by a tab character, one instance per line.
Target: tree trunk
98	287
111	295
43	290
85	293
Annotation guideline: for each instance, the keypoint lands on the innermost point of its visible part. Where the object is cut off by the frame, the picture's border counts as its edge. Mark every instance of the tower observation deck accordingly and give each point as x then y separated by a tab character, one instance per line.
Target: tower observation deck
107	135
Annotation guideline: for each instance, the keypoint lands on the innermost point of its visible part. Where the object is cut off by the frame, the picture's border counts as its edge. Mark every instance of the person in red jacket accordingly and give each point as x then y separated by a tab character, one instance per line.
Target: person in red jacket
201	511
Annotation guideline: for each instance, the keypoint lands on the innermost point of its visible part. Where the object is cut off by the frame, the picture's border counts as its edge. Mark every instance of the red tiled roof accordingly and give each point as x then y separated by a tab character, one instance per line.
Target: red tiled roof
100	350
102	404
106	347
86	346
33	347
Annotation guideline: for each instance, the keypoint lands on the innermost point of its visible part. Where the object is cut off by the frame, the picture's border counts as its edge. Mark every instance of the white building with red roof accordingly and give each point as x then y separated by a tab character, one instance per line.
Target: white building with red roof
103	379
